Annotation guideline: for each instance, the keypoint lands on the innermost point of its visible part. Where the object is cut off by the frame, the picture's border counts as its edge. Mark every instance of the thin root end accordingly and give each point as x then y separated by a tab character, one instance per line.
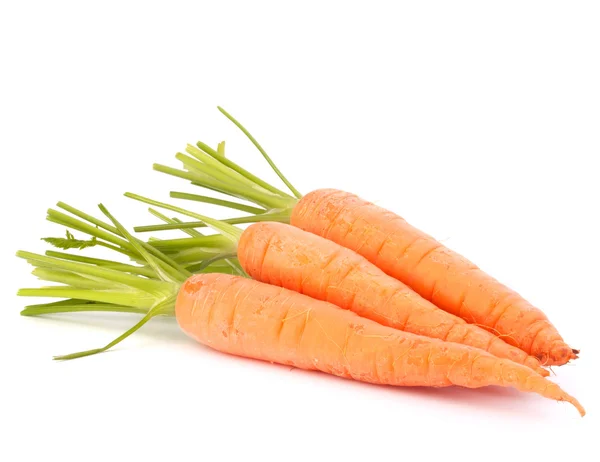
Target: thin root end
577	405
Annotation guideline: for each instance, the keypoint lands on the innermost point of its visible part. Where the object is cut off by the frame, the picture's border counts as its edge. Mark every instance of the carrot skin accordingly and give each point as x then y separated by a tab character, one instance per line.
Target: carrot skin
251	319
438	274
286	256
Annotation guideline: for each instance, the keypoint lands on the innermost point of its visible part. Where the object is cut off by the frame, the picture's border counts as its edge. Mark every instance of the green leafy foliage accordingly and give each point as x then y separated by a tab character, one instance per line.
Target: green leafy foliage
70	242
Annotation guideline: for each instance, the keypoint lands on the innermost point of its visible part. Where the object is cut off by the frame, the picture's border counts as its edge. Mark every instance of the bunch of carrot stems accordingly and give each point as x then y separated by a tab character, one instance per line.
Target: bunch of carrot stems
325	281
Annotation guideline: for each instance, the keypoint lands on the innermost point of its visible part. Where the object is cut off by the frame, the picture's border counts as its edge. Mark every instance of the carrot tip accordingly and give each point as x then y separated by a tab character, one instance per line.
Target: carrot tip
574	353
577	405
559	355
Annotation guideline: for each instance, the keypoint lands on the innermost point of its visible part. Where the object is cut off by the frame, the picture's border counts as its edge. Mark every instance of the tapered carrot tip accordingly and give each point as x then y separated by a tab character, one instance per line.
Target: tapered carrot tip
574	402
509	373
551	390
561	353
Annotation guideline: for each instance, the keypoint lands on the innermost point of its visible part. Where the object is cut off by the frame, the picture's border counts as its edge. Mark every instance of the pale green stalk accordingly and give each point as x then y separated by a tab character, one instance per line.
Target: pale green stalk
262	151
189	232
215	201
91	284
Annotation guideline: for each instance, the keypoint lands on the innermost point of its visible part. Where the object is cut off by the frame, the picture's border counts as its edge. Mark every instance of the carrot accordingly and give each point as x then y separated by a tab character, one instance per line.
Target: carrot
251	319
436	273
248	318
286	256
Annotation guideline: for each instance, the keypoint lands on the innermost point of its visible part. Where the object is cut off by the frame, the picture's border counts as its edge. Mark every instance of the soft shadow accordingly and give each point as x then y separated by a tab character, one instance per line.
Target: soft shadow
499	400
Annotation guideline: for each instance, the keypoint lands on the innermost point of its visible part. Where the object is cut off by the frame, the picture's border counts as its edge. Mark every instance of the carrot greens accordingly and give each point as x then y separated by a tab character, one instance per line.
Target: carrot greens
147	285
208	168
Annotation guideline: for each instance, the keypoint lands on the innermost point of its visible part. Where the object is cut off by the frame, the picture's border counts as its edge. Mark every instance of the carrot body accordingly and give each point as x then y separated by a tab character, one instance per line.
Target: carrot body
256	320
437	273
288	257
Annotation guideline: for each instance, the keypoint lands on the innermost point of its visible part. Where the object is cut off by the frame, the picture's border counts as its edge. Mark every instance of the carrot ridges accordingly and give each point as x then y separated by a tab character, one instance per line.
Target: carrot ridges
286	256
435	272
320	336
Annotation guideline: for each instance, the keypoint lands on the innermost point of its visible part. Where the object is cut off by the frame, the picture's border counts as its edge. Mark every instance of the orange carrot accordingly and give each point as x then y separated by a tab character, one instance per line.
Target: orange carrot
256	320
411	256
437	273
286	256
289	257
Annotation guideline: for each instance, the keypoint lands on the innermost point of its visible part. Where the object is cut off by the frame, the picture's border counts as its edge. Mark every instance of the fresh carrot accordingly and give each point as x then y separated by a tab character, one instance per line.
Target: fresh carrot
248	318
435	272
256	320
289	257
327	271
438	274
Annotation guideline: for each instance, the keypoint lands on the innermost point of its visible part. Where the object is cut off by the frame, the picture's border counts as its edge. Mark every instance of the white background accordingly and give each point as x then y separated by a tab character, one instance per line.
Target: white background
476	121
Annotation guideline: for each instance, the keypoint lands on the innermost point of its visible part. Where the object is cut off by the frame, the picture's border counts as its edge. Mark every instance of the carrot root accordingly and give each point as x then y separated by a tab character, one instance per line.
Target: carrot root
437	273
286	256
251	319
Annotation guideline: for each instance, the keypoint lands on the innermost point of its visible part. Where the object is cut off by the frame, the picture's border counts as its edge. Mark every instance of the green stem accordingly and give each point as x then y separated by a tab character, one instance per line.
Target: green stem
68	302
182	226
227	177
133	298
38	310
168	272
242	171
262	151
195	254
223	266
67	221
191	232
87	217
268	201
95	284
146	285
211	242
123	267
166	219
227	182
71	279
215	201
207	263
277	217
123	245
221	148
231	232
119	339
216	168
